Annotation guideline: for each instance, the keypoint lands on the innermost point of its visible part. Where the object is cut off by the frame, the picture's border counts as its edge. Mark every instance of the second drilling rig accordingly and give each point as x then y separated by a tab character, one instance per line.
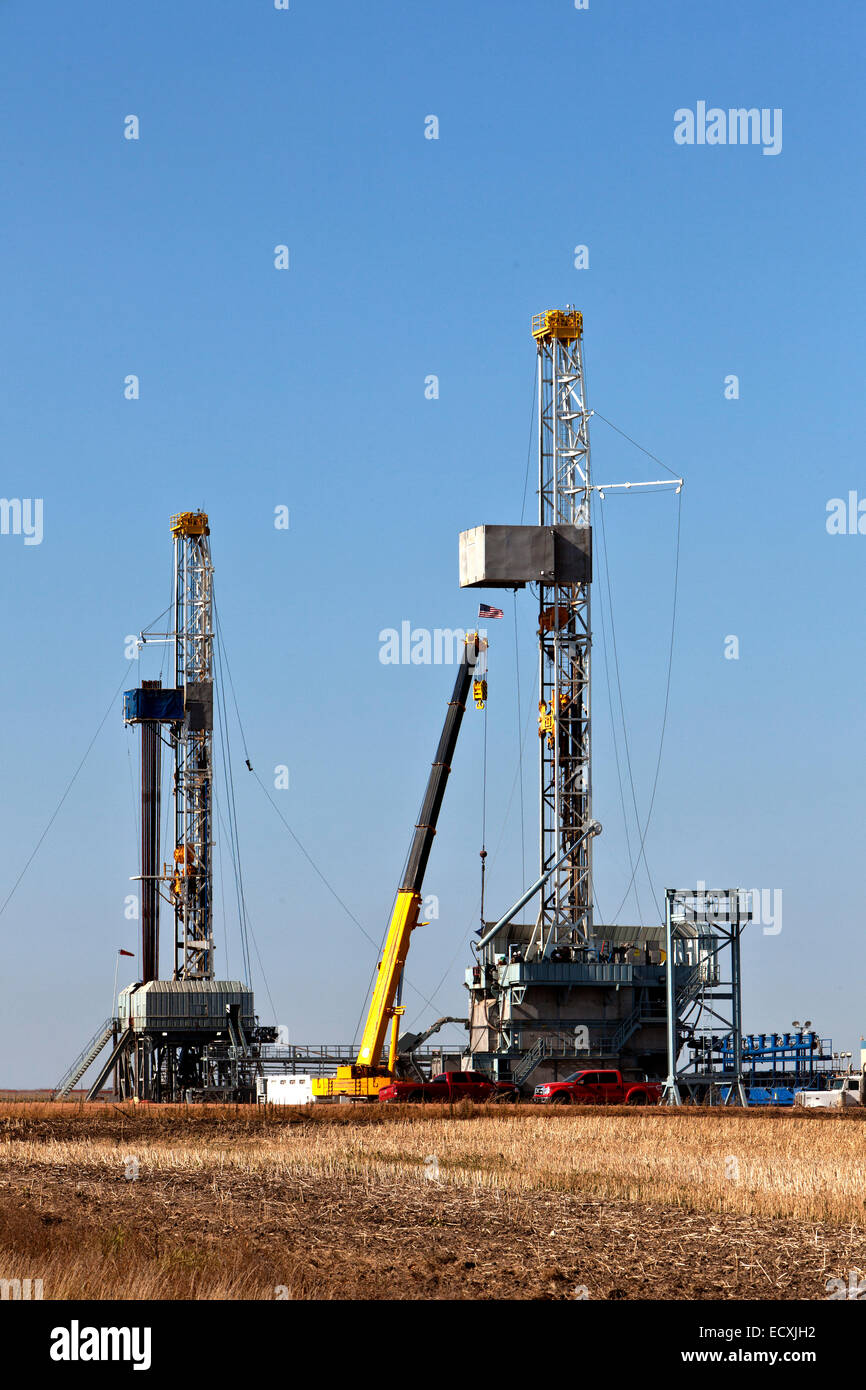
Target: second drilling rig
192	1036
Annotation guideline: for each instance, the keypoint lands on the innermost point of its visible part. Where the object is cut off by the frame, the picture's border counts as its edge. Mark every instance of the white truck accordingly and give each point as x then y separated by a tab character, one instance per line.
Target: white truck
845	1090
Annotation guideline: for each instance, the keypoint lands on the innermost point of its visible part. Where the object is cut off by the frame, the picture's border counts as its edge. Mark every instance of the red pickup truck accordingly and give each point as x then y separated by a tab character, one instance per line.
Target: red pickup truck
451	1086
598	1088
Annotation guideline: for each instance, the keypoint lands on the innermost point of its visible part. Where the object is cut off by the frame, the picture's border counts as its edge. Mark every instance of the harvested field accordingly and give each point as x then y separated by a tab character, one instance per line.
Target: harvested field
171	1202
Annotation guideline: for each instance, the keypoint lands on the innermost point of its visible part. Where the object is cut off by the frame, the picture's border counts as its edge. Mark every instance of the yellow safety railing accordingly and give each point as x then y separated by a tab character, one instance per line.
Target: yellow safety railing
190	524
558	323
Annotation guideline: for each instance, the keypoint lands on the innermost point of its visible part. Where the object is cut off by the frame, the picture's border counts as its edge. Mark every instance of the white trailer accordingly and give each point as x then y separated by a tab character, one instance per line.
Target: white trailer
285	1090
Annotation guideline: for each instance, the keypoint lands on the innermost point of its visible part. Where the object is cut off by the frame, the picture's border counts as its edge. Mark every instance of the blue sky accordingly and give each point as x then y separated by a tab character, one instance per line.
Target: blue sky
258	387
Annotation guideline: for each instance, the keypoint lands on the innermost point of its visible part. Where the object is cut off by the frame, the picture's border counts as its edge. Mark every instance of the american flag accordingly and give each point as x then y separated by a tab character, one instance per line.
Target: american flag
485	611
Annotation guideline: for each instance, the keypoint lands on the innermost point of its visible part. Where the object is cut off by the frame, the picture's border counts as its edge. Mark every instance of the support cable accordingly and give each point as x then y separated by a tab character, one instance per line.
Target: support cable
641	851
519	747
667	688
222	899
255	947
233	836
531	438
609	684
595	412
69	786
313	865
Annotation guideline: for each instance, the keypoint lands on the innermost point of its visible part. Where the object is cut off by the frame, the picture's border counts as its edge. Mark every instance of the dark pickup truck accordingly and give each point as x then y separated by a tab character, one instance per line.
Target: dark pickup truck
451	1086
598	1088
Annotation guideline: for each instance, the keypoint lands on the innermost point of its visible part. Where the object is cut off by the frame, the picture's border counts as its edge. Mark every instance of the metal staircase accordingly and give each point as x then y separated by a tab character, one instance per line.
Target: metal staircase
526	1064
548	1045
688	987
85	1058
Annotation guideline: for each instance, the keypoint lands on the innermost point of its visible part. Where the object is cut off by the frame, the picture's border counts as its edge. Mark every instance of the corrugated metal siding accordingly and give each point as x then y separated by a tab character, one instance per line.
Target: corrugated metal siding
186	1003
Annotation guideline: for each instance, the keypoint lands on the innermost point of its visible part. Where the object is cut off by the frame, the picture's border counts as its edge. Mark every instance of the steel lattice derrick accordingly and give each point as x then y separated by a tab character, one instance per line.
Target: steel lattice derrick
565	637
193	749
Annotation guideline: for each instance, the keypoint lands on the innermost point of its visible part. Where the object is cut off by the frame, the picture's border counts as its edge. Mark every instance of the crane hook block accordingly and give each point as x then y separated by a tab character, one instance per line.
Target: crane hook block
546	723
479	693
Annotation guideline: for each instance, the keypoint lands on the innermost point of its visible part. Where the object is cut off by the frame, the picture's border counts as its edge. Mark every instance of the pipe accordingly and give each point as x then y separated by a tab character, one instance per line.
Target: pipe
151	749
592	829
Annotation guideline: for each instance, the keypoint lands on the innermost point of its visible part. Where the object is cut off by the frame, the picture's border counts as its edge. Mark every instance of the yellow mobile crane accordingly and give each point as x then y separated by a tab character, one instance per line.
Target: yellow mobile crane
365	1077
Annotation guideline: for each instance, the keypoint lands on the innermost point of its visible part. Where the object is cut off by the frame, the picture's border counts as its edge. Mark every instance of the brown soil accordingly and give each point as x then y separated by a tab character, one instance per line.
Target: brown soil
91	1233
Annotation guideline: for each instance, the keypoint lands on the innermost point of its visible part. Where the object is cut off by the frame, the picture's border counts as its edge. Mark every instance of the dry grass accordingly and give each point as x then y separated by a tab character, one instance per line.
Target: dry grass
756	1164
334	1201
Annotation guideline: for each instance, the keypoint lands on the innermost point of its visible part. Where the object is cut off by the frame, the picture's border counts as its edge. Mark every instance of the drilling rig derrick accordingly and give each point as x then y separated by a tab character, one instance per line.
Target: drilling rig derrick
562	990
193	1036
192	743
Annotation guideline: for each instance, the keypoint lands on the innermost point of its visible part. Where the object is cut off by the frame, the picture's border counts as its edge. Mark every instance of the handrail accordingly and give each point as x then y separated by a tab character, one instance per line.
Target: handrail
88	1054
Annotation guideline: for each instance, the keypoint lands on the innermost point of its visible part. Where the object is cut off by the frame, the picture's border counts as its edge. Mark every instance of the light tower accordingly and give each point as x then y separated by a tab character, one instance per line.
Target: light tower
565	637
192	746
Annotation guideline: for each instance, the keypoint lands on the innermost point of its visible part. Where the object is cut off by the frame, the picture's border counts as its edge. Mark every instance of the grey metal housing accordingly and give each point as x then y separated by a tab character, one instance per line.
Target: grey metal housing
513	556
198	1007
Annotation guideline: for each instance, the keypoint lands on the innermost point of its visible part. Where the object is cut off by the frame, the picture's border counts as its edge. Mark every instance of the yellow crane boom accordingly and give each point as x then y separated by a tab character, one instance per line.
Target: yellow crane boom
366	1076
